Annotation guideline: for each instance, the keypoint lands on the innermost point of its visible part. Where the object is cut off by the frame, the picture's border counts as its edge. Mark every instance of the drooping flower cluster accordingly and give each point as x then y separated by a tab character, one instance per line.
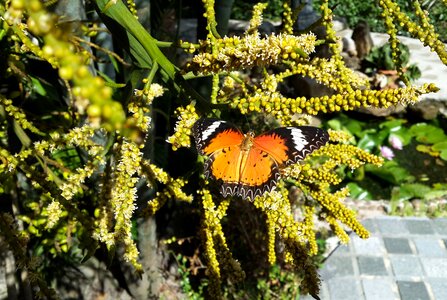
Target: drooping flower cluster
238	53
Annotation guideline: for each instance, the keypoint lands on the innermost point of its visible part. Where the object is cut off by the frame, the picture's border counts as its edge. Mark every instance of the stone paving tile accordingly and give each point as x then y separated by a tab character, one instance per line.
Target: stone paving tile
371	246
440	225
392	226
412	290
430	247
345	288
405	258
397	245
337	266
435	267
379	289
405	266
438	288
419	226
372	265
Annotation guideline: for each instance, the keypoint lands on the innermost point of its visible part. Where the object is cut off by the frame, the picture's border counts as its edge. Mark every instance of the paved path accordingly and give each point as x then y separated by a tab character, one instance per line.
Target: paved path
405	258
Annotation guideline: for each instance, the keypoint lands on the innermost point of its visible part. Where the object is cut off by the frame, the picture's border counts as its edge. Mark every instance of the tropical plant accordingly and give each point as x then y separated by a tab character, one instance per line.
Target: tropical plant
96	162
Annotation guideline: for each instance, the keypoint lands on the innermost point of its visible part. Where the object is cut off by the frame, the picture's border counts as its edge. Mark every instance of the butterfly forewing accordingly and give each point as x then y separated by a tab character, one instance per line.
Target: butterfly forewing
289	145
212	135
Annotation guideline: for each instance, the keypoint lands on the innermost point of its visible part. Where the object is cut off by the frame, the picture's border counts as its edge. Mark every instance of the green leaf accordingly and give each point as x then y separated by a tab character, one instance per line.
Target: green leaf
38	87
334	124
443	155
427	134
440	146
358	192
390	172
393	125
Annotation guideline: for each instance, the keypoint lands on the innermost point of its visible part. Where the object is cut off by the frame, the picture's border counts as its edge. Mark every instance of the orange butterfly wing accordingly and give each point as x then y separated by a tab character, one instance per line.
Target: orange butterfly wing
250	166
259	172
222	143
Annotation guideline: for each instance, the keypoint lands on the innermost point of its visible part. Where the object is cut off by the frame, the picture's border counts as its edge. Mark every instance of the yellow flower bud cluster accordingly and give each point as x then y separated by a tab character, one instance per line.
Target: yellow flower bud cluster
90	92
279	213
79	137
283	108
331	202
335	76
123	197
211	228
340	136
187	116
216	248
238	53
288	18
16	240
54	211
323	173
139	106
172	190
132	8
18	115
256	19
350	155
309	213
337	229
424	31
271	232
74	181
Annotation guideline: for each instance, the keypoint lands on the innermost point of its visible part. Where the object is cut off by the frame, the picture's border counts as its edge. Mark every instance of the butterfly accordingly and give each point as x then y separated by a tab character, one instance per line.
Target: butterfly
250	165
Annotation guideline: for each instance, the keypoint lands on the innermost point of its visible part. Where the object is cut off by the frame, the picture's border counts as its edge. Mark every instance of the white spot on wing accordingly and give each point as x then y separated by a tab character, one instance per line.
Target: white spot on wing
298	138
206	133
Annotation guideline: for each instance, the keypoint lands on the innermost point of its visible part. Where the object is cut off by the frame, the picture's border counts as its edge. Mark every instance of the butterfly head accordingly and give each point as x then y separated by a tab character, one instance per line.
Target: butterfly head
247	142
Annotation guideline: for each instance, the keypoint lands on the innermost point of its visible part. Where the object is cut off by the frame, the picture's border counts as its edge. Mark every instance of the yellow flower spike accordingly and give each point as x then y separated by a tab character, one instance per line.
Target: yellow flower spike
187	116
123	196
271	231
210	221
331	202
424	31
256	19
18	115
249	51
337	229
309	212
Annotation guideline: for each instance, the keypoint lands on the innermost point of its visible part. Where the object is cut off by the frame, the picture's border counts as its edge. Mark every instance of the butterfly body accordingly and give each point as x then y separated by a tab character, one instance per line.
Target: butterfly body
250	165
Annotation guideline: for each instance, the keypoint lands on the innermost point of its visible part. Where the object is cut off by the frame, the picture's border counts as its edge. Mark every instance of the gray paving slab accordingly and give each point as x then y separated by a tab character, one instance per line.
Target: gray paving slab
438	288
405	258
413	290
430	247
435	267
406	267
338	266
372	246
421	226
372	265
347	288
379	289
392	226
397	245
440	225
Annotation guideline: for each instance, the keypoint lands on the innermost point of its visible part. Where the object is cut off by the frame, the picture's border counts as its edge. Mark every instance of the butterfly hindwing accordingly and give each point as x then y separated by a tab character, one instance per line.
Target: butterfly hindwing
259	174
